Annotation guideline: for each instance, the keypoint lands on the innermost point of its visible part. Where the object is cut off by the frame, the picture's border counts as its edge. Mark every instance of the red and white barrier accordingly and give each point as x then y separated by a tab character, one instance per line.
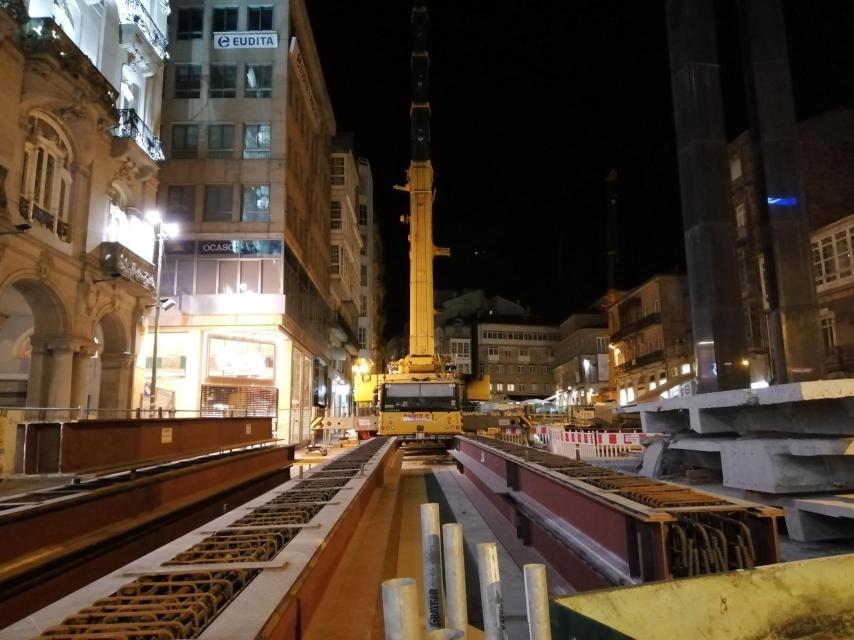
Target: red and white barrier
589	445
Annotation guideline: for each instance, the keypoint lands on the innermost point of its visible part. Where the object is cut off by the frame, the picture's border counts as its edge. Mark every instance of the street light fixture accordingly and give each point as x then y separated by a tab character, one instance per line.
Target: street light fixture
162	231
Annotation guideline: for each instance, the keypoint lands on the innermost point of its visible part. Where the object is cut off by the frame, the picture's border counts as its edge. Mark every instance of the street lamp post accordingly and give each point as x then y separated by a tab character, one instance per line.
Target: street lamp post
161	232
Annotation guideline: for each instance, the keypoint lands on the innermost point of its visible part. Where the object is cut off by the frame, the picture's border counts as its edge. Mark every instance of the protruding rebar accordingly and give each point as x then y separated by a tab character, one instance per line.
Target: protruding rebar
431	553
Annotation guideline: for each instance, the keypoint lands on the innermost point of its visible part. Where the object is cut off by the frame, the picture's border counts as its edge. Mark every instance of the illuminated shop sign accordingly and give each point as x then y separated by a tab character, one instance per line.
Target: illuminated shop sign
224	247
246	40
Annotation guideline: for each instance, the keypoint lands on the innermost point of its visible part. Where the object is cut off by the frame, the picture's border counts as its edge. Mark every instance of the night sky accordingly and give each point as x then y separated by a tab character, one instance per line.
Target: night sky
520	170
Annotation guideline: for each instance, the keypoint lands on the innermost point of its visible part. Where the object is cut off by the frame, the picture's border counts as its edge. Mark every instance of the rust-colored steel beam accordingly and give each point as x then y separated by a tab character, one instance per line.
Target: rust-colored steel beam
49	547
599	527
91	446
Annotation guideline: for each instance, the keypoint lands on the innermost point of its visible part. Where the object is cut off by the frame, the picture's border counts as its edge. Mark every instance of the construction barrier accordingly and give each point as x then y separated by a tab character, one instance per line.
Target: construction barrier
590	445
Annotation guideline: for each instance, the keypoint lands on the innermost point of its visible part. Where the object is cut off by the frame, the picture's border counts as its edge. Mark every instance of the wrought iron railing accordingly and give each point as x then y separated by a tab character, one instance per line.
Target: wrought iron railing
132	126
118	260
134	12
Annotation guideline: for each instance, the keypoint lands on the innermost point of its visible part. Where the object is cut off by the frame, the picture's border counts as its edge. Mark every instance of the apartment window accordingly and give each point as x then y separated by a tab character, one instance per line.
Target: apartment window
499	368
508	353
735	168
831	255
511	387
218	202
524	353
499	386
223	81
461	348
180	202
188	80
224	19
256	140
256	203
259	19
335	214
492	351
185	141
336	174
335	259
220	140
363	275
363	214
364	305
828	329
464	367
363	337
532	369
601	344
259	81
520	369
46	185
190	23
523	387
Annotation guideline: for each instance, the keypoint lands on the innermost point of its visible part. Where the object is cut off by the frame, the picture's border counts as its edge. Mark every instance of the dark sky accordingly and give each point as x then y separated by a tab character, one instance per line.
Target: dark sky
533	102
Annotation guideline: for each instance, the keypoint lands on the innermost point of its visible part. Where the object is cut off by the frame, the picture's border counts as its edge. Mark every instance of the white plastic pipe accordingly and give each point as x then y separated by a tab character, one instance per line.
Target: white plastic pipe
455	577
400	609
537	602
431	553
490	592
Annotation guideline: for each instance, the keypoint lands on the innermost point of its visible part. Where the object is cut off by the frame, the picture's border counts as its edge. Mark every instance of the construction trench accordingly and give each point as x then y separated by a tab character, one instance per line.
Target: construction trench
306	558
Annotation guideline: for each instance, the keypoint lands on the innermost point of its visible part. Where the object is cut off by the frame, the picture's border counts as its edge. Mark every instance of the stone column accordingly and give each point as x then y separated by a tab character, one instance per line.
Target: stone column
80	377
716	310
37	382
61	369
116	380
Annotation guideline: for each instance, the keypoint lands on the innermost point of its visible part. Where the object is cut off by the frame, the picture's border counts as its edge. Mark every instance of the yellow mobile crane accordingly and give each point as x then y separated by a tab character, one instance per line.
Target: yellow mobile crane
421	397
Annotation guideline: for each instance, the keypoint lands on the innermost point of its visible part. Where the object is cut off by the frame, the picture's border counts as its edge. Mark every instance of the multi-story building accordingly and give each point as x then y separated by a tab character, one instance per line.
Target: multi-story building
344	269
826	159
78	170
650	328
370	273
581	362
492	335
247	125
833	268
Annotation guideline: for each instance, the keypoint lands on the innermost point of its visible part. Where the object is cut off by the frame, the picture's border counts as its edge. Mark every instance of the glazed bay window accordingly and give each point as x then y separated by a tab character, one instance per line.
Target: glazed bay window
335	214
223	83
220	140
259	19
256	140
190	23
337	170
259	81
256	203
181	203
224	19
831	256
46	184
334	259
188	80
185	141
218	202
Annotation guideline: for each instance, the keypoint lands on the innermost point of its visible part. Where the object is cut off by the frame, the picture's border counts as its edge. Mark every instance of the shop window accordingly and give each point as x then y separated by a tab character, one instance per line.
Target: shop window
224	19
259	19
190	23
256	203
223	81
256	140
220	140
185	141
188	80
218	202
259	81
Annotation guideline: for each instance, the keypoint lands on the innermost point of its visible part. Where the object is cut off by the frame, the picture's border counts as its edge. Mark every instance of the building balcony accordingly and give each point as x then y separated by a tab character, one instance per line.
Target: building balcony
639	324
134	15
641	361
44	218
117	261
42	36
132	126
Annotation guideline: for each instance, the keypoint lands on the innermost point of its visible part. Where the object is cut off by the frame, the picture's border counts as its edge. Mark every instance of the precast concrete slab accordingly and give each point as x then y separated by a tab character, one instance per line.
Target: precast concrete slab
821	407
827	517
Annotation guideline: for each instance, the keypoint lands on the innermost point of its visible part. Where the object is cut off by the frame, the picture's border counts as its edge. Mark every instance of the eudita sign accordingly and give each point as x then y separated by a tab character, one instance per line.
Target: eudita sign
246	40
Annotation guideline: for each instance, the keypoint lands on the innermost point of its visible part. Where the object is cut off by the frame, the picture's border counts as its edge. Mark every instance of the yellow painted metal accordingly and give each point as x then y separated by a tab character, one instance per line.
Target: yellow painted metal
478	389
804	599
364	387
